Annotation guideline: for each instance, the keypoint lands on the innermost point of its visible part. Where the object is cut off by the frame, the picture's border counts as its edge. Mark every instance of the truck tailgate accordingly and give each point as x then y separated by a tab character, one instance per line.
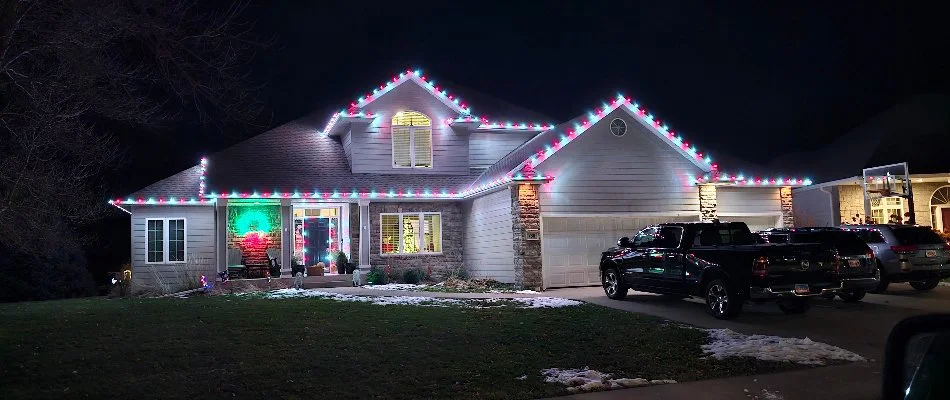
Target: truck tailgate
799	264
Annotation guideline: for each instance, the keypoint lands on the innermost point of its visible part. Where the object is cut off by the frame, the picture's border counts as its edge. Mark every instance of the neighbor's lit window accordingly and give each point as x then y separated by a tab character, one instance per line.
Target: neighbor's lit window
412	140
885	209
410	233
165	240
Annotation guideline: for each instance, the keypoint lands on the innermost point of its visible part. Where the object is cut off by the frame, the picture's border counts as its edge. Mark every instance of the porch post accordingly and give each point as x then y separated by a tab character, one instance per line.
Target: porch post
286	237
221	234
365	235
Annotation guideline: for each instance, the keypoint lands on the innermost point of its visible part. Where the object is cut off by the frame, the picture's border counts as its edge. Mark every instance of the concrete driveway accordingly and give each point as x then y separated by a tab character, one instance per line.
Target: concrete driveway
860	327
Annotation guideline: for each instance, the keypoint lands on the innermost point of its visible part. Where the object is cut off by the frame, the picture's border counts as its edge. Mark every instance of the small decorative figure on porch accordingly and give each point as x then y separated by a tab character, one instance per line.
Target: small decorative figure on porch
356	278
223	276
298	280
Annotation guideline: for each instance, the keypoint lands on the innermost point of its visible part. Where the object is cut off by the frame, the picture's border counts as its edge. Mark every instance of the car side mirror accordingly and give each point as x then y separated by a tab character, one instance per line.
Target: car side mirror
917	358
624	242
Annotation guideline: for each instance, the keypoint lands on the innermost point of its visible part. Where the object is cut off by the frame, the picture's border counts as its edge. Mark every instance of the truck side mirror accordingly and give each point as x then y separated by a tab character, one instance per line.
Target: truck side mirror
624	242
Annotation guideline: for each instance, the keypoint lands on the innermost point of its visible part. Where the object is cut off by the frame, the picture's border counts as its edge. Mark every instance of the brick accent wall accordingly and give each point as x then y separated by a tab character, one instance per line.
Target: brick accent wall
851	202
707	202
526	214
452	231
788	212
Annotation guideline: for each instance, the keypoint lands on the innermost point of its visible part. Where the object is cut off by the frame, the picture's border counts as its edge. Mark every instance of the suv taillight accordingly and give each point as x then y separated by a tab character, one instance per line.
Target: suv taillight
760	266
870	254
904	249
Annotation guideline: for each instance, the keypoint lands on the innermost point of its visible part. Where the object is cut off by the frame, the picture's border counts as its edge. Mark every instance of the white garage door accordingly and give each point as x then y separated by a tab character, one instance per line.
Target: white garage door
755	223
571	246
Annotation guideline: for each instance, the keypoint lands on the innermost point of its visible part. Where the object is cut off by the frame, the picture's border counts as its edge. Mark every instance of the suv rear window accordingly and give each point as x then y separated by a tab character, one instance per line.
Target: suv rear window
917	235
846	242
870	235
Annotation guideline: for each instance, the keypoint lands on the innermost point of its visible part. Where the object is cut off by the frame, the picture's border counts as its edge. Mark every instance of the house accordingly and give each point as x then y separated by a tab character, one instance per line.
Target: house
915	131
409	175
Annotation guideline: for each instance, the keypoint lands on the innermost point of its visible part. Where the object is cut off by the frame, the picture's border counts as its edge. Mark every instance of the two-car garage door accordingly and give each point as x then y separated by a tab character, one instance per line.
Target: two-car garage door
571	246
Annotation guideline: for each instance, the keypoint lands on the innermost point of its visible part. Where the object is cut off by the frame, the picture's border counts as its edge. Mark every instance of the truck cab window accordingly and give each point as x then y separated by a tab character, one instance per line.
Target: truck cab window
645	238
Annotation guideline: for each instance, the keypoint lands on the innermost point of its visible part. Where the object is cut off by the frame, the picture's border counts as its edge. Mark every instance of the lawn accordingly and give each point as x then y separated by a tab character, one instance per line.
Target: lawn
227	347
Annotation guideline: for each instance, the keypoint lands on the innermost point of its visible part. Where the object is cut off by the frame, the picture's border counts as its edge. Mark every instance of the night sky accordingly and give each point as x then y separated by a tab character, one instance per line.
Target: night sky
751	80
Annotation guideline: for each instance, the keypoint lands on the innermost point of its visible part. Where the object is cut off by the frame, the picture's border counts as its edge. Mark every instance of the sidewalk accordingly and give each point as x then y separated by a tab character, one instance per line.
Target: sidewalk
857	381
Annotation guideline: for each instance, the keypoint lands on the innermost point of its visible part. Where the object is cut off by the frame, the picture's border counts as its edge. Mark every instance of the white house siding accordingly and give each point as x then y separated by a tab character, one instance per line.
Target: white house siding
199	244
348	146
760	208
373	146
815	207
489	247
486	148
636	173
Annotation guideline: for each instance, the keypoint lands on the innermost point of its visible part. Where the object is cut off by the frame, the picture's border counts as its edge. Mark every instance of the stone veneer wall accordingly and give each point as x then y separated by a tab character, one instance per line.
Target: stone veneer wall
254	250
452	231
922	193
851	202
526	214
788	213
354	234
708	202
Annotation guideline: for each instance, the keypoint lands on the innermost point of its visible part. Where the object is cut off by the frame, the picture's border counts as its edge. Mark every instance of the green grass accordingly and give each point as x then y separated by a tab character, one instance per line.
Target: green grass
313	348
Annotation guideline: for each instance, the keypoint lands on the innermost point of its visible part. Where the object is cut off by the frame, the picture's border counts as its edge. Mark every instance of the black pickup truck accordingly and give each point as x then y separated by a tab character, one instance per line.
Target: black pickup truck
721	262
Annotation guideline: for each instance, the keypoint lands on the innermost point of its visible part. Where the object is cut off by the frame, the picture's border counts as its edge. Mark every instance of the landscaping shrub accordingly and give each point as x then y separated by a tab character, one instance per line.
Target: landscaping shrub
413	275
341	262
376	276
60	274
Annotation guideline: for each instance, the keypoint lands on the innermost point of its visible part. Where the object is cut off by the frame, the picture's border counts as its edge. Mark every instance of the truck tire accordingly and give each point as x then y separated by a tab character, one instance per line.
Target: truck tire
613	284
882	284
796	306
852	297
721	301
925	285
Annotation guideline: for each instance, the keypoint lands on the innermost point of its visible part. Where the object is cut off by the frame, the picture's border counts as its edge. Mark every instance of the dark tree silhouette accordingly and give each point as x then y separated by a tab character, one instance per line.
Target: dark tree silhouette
73	75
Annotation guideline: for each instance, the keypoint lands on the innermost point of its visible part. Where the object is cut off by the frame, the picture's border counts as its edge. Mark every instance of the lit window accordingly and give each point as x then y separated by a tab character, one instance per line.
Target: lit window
887	209
165	240
412	140
410	233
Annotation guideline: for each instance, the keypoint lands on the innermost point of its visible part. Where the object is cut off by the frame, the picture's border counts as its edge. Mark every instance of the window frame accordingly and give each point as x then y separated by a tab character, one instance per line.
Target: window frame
412	143
165	242
421	241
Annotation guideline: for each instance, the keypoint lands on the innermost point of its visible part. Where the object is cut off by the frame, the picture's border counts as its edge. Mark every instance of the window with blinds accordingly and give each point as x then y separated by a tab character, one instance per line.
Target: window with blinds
412	140
410	233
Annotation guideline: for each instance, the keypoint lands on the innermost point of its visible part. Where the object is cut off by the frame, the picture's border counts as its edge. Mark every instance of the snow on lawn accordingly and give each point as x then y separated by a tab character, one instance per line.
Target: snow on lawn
727	343
527	302
396	286
586	380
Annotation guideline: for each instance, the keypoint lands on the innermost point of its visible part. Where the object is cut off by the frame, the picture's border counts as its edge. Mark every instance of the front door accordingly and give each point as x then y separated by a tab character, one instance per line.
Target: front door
945	218
316	239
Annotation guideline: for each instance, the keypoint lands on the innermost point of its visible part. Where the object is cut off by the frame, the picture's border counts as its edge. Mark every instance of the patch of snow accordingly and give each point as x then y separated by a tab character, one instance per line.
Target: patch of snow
767	395
396	286
942	283
586	380
727	343
528	302
514	291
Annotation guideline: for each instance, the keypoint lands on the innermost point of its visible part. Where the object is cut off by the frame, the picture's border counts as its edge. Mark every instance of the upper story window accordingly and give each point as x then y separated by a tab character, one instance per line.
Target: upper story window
412	140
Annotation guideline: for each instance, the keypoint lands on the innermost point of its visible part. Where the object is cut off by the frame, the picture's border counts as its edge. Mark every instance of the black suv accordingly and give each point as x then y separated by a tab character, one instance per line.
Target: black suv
721	262
857	268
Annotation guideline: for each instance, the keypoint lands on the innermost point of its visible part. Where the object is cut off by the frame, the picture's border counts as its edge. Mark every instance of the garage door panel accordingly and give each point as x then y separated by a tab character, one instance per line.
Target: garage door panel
755	223
571	246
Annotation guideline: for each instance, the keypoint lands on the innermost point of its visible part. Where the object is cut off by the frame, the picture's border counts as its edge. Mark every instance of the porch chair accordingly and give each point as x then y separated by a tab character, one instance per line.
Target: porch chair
273	261
236	267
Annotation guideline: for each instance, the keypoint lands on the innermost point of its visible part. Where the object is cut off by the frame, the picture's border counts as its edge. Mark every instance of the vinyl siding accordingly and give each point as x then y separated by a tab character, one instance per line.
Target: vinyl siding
486	148
489	245
348	147
747	200
372	147
602	173
199	244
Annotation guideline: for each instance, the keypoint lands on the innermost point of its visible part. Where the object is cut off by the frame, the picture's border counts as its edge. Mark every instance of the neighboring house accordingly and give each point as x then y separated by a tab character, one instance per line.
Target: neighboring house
409	176
916	131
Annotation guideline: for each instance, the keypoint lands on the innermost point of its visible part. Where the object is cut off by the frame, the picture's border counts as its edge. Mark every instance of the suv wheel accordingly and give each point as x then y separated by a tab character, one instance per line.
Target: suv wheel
852	297
796	306
925	285
613	285
883	281
721	301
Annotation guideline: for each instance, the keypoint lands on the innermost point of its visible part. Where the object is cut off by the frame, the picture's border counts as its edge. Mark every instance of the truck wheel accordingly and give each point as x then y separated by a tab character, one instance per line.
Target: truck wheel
925	285
882	275
797	306
852	297
613	284
721	301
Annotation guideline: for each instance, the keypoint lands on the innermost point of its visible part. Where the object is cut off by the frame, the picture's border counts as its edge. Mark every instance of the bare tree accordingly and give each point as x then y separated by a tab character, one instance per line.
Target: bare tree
75	74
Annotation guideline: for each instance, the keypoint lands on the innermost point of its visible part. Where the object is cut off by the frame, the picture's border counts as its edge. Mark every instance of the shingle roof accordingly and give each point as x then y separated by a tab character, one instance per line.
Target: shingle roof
296	157
184	184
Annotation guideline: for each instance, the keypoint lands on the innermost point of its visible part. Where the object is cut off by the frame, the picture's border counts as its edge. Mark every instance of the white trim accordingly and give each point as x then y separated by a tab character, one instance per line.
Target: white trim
624	214
421	241
165	242
937	217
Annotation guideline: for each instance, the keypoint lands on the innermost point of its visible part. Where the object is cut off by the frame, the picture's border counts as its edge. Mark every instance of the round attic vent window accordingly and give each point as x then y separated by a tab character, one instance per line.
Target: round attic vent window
618	127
